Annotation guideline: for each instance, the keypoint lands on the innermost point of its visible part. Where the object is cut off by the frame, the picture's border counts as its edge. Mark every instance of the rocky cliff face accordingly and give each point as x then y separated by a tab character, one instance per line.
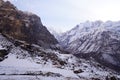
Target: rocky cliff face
97	40
23	26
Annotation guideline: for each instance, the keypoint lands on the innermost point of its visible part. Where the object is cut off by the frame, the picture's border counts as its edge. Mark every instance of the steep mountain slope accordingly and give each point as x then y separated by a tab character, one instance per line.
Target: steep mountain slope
23	26
97	40
54	32
38	63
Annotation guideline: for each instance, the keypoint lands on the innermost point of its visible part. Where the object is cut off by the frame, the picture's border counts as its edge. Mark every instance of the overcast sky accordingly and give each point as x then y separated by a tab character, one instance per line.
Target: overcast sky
63	15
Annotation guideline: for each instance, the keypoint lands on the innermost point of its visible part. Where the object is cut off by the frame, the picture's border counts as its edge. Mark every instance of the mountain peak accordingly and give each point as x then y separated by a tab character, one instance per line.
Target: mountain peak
95	39
24	26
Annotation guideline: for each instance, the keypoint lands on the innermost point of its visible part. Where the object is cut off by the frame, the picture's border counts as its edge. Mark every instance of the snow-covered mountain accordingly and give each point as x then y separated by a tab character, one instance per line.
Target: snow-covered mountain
28	51
99	40
53	32
37	63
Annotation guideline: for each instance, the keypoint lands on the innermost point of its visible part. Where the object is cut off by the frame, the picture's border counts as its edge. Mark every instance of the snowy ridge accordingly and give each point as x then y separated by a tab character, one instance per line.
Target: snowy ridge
89	27
19	64
98	39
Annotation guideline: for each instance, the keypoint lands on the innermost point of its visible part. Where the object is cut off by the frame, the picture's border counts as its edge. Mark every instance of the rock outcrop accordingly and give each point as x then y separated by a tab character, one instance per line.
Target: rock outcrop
23	26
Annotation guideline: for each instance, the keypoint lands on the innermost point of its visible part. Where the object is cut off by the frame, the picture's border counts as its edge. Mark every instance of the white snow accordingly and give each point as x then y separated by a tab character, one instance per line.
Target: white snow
17	63
14	65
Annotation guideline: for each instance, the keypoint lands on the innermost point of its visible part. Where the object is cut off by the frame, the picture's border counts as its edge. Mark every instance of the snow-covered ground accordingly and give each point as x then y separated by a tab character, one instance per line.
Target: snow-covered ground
20	65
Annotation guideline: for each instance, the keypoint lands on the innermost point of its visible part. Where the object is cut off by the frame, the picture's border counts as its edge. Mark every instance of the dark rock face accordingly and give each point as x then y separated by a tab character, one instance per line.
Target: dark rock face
78	71
111	78
3	53
23	26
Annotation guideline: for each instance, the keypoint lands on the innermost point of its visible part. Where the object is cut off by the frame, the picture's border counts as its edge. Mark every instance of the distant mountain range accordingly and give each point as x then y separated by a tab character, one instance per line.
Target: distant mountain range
98	40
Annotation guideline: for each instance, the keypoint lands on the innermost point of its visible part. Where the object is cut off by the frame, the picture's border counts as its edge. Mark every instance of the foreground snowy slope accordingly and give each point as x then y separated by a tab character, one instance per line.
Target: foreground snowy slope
46	64
100	40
